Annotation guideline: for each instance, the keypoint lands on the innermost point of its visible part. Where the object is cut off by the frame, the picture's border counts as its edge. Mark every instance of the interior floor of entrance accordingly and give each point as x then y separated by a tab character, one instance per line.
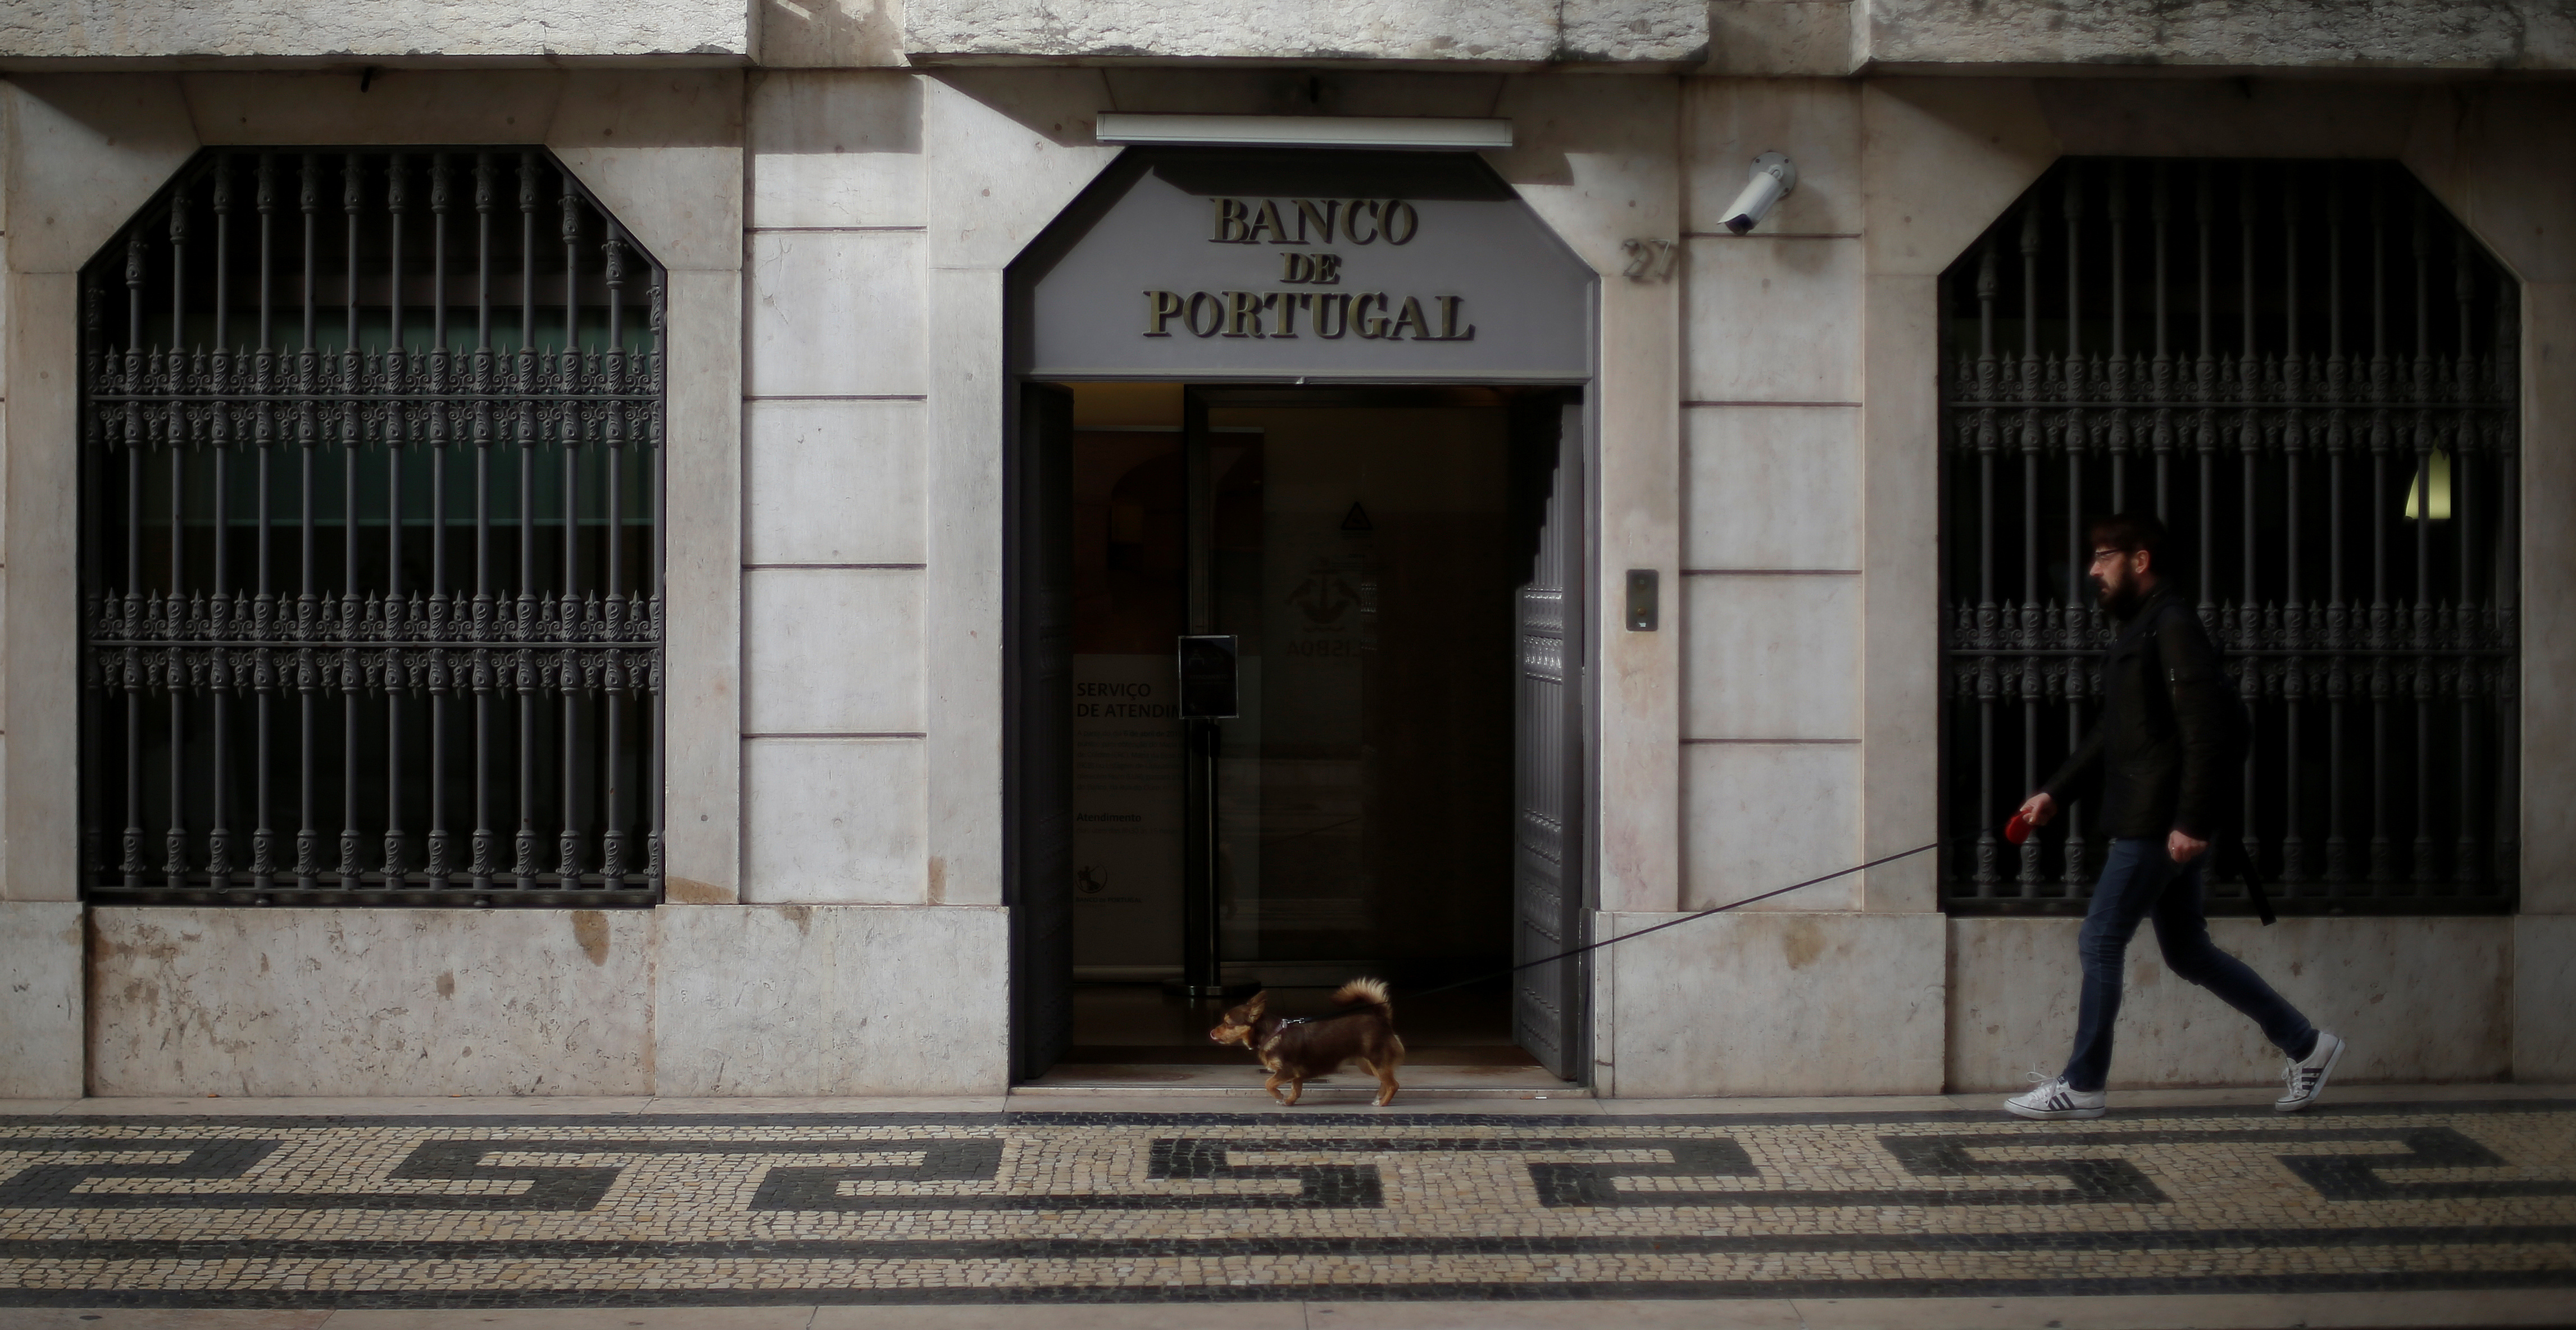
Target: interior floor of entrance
1359	546
1152	1024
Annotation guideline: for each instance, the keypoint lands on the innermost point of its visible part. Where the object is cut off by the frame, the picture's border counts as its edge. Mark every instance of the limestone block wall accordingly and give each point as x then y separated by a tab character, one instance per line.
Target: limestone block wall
2419	1000
702	30
835	419
1776	1003
1771	582
829	34
684	1000
2225	34
1422	32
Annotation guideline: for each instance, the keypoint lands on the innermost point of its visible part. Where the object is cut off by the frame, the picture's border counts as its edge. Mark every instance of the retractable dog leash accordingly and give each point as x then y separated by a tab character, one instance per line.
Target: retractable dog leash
1676	923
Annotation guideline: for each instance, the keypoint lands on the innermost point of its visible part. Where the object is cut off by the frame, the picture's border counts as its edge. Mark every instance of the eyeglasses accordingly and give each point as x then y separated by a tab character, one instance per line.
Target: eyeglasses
2101	557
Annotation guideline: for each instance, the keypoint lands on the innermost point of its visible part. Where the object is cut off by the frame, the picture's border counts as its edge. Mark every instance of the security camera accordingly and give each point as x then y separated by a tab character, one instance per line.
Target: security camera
1774	176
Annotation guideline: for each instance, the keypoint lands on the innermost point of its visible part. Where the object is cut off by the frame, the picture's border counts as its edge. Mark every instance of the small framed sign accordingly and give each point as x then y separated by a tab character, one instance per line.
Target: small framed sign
1209	687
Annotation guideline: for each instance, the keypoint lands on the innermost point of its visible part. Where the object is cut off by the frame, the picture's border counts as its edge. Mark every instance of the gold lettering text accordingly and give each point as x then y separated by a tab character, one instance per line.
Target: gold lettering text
1242	314
1338	307
1351	221
1409	317
1321	269
1371	327
1215	314
1266	218
1161	307
1321	215
1285	303
1230	229
1400	221
1449	331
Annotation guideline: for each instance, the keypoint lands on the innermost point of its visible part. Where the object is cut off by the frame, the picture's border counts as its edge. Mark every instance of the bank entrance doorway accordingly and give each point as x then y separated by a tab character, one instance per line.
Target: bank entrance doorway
1297	648
1378	557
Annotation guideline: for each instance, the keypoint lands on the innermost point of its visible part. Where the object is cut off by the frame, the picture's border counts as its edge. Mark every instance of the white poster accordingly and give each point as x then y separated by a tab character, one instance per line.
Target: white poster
1127	796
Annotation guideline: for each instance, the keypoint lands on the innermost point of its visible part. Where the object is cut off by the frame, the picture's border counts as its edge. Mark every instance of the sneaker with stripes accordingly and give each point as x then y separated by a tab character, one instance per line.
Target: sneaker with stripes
2054	1098
2305	1079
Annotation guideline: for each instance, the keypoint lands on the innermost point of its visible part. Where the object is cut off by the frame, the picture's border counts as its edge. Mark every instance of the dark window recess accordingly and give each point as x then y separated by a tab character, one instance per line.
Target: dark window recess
2307	370
371	555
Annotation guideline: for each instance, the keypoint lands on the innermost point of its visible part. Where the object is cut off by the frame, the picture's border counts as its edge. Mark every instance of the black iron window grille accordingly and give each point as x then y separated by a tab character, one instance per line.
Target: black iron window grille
371	538
2307	371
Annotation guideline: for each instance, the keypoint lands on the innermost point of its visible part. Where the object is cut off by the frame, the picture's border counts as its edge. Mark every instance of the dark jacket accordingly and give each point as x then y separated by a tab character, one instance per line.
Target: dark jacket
2164	752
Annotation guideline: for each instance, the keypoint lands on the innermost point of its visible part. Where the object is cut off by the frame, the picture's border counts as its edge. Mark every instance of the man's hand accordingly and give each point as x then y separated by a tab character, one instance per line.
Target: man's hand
2039	808
2184	846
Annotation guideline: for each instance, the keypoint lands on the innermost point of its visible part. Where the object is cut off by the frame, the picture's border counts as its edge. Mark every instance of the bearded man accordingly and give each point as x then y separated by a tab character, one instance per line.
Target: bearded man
2161	758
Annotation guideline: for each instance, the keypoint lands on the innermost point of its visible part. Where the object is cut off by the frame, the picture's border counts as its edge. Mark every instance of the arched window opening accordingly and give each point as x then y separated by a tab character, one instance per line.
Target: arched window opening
371	538
2307	371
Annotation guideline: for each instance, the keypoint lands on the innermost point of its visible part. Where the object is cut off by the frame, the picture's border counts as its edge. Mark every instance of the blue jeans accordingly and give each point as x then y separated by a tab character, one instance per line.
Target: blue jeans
2138	879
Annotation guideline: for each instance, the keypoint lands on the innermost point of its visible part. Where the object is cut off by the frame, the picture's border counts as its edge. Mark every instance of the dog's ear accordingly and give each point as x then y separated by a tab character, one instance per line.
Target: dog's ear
1258	1003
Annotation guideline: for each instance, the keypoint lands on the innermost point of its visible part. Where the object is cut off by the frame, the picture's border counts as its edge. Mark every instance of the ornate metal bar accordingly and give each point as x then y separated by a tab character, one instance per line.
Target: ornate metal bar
2032	435
174	862
132	438
2073	875
167	624
219	858
2338	606
2160	383
569	431
482	628
2295	617
351	436
653	438
2465	868
2420	626
439	867
1988	875
523	861
2250	621
612	859
2416	651
2119	380
397	432
263	841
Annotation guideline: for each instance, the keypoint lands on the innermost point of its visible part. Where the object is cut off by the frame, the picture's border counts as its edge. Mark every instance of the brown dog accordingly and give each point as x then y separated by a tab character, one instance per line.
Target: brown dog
1296	1050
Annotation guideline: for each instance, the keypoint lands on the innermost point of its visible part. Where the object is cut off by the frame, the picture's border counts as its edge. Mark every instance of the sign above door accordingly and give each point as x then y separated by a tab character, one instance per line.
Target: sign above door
1323	266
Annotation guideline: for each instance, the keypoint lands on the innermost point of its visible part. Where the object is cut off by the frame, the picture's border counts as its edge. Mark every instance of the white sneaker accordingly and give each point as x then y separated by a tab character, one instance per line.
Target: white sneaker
2053	1099
2306	1078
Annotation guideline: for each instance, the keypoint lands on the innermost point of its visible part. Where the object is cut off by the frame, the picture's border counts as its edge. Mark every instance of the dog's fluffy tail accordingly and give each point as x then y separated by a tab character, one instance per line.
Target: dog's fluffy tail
1369	991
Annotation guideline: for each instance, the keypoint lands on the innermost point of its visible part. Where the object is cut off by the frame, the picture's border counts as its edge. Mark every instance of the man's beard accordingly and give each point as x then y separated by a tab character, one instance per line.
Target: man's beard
2118	604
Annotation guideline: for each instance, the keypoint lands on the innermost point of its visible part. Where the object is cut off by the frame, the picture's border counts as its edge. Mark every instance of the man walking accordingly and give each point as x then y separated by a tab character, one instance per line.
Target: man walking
2163	758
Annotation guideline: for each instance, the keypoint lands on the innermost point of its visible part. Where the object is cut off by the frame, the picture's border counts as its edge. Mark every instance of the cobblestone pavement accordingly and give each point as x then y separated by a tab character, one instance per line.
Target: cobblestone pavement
1021	1206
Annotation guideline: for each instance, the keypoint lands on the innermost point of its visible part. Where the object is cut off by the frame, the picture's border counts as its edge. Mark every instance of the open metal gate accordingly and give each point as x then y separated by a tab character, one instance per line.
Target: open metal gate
1548	1001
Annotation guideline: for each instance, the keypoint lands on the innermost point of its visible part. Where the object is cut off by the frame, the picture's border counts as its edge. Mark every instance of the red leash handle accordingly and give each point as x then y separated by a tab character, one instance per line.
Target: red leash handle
2019	829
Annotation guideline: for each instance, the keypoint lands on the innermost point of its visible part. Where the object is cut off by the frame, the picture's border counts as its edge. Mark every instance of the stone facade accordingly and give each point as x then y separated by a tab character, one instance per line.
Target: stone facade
837	217
286	30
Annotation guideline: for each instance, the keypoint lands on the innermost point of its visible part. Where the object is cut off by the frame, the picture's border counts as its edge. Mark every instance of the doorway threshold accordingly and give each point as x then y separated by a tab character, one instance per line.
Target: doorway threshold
1243	1081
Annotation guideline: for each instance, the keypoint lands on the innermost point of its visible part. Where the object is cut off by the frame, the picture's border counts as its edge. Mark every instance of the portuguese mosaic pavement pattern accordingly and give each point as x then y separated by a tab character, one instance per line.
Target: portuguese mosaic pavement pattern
803	1208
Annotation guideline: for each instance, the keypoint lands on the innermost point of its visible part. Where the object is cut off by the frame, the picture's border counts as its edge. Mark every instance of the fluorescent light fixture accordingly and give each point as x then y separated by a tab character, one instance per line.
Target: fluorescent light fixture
2436	470
1305	131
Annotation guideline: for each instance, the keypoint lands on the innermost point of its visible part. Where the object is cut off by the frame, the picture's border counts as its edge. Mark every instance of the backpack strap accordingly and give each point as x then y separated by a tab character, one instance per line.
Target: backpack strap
2234	861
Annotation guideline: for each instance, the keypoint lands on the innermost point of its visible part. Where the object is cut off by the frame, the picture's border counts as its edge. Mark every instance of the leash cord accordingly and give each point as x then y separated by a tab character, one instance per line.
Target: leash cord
1676	923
